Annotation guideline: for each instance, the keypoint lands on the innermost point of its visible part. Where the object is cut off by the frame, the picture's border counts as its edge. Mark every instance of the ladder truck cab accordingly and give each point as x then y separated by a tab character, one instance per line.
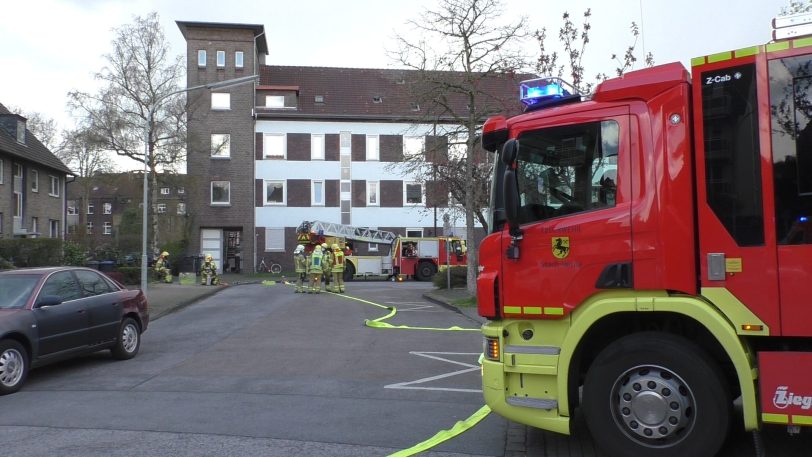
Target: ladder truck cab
650	256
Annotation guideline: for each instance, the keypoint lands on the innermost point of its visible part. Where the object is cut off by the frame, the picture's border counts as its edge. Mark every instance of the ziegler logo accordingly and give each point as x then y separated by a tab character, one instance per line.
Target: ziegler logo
783	399
721	78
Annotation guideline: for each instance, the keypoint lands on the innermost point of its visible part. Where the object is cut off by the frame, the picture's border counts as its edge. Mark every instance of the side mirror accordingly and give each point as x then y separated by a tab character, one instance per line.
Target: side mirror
47	300
509	152
512	202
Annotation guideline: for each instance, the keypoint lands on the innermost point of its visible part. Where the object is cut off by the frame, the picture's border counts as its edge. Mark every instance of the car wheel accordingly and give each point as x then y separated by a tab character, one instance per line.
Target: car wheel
13	366
657	395
129	340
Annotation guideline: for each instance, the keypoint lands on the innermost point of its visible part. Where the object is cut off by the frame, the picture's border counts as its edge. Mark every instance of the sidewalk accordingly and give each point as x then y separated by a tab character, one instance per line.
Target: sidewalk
447	297
165	298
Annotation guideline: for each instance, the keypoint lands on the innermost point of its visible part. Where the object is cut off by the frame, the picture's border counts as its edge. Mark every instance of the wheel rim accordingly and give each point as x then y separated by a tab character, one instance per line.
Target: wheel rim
12	366
129	337
653	406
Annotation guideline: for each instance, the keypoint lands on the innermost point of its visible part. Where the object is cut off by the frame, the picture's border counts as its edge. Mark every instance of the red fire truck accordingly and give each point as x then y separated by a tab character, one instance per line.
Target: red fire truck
650	258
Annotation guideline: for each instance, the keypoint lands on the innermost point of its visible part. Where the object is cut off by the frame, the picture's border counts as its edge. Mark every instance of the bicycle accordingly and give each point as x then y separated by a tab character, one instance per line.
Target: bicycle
275	268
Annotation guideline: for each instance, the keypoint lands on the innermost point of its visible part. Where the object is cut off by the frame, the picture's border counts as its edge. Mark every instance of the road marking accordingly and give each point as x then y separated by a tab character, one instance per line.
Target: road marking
412	385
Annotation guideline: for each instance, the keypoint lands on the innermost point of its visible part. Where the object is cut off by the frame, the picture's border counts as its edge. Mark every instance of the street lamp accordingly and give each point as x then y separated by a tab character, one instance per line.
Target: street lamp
150	109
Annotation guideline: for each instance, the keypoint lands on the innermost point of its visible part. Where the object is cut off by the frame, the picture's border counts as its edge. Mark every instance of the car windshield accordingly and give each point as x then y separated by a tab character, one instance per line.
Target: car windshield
15	290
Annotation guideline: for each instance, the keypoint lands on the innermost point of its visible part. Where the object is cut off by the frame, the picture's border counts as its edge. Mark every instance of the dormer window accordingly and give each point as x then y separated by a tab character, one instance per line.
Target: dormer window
318	99
21	132
415	107
377	99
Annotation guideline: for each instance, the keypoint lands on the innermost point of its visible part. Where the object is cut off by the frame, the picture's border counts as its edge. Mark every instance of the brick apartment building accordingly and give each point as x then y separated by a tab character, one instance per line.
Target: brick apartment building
32	183
305	143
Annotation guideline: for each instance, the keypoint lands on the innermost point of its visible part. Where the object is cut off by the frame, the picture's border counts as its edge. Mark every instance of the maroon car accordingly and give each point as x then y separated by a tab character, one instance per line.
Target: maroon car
50	314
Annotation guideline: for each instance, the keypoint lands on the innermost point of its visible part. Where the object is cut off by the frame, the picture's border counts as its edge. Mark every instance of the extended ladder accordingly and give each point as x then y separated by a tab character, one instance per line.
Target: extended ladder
367	235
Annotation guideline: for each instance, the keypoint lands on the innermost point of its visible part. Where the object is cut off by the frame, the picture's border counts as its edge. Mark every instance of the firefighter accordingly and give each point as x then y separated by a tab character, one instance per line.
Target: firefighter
208	272
326	265
314	269
338	269
300	262
162	268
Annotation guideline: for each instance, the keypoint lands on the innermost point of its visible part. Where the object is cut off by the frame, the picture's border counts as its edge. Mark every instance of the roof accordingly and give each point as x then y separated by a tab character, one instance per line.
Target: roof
128	184
32	150
258	29
381	94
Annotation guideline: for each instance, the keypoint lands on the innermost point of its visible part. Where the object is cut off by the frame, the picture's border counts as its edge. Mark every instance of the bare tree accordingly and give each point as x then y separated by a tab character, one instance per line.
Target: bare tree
43	127
463	48
796	7
574	42
135	95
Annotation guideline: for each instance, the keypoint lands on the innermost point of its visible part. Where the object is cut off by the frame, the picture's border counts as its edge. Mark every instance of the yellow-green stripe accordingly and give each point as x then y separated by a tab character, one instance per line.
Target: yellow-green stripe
802	420
722	56
745	52
802	42
554	311
781	46
775	418
532	310
513	309
697	61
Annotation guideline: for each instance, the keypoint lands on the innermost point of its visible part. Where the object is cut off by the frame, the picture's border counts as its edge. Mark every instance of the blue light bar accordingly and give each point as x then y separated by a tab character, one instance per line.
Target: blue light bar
803	219
538	91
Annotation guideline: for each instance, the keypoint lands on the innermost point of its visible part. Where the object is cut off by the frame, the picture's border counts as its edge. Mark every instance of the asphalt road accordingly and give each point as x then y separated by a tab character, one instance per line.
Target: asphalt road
259	370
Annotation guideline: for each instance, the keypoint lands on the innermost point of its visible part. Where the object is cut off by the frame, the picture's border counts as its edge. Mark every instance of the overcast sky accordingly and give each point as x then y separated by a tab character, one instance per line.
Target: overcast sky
53	46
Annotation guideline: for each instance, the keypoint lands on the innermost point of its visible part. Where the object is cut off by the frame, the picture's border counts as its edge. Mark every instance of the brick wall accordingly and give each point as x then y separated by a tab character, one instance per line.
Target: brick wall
391	147
298	146
359	148
332	143
391	193
298	192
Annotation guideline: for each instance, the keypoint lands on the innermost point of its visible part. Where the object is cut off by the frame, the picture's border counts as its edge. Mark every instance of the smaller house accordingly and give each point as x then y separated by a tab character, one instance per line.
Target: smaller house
32	183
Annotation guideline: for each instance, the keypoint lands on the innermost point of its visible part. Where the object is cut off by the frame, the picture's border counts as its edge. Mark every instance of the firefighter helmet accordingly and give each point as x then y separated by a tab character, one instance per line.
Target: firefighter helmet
164	254
317	248
335	247
299	248
208	257
324	245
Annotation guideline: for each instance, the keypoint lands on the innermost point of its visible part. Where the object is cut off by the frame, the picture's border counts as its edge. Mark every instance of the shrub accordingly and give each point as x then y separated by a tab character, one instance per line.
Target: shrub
32	252
5	264
129	275
73	254
459	277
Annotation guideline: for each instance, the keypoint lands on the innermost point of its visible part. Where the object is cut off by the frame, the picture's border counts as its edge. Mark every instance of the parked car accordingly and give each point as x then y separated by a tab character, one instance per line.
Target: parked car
50	314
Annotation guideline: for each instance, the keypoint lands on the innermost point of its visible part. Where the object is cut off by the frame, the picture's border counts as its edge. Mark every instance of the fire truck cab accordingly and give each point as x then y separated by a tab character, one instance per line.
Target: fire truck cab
650	254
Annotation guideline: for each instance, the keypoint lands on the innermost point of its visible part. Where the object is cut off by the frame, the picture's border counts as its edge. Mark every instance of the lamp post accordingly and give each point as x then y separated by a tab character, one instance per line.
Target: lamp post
147	137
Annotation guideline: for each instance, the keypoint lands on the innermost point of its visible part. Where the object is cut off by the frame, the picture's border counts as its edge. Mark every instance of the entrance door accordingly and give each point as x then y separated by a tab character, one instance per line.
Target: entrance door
211	242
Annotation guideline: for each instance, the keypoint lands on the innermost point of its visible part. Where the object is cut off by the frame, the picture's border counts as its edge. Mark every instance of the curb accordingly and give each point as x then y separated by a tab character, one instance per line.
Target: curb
185	303
451	307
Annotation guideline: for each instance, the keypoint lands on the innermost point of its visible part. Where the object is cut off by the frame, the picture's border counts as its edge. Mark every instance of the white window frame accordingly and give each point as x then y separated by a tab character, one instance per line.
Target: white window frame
181	209
414	229
211	194
372	247
284	192
239	59
181	190
221	59
406	185
410	147
165	191
53	228
89	227
274	101
201	58
266	144
277	231
54	190
108	228
377	185
314	194
34	181
35	224
220	100
72	210
90	208
2	170
220	145
107	208
160	208
316	146
373	148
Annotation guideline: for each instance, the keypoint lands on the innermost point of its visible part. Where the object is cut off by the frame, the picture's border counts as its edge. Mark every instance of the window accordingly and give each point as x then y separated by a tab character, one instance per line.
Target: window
35	225
18	204
108	228
275	193
238	59
317	193
181	209
317	147
373	188
91	283
372	247
18	170
181	190
221	59
164	191
414	233
54	191
71	230
90	208
568	169
21	132
220	192
1	223
34	181
72	210
221	145
790	96
274	239
107	208
413	146
63	285
89	228
318	99
275	145
160	208
274	101
220	100
372	147
412	193
2	171
201	57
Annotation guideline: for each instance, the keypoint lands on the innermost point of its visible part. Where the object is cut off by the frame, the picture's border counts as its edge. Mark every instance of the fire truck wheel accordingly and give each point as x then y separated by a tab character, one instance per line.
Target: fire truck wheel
349	271
424	271
665	398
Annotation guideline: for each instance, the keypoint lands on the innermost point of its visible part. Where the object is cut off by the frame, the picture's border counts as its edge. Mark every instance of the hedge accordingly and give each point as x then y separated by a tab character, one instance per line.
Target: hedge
32	252
459	277
129	275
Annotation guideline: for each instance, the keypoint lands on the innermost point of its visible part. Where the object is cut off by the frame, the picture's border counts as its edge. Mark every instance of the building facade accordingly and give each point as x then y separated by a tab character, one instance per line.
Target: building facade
32	183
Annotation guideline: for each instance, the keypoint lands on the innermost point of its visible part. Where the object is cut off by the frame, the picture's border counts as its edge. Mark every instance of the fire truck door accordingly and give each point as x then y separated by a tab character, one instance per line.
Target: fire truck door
574	190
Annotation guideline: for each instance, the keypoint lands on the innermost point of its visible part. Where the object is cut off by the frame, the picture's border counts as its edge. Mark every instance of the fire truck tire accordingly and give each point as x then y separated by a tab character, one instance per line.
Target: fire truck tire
666	398
424	271
349	271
